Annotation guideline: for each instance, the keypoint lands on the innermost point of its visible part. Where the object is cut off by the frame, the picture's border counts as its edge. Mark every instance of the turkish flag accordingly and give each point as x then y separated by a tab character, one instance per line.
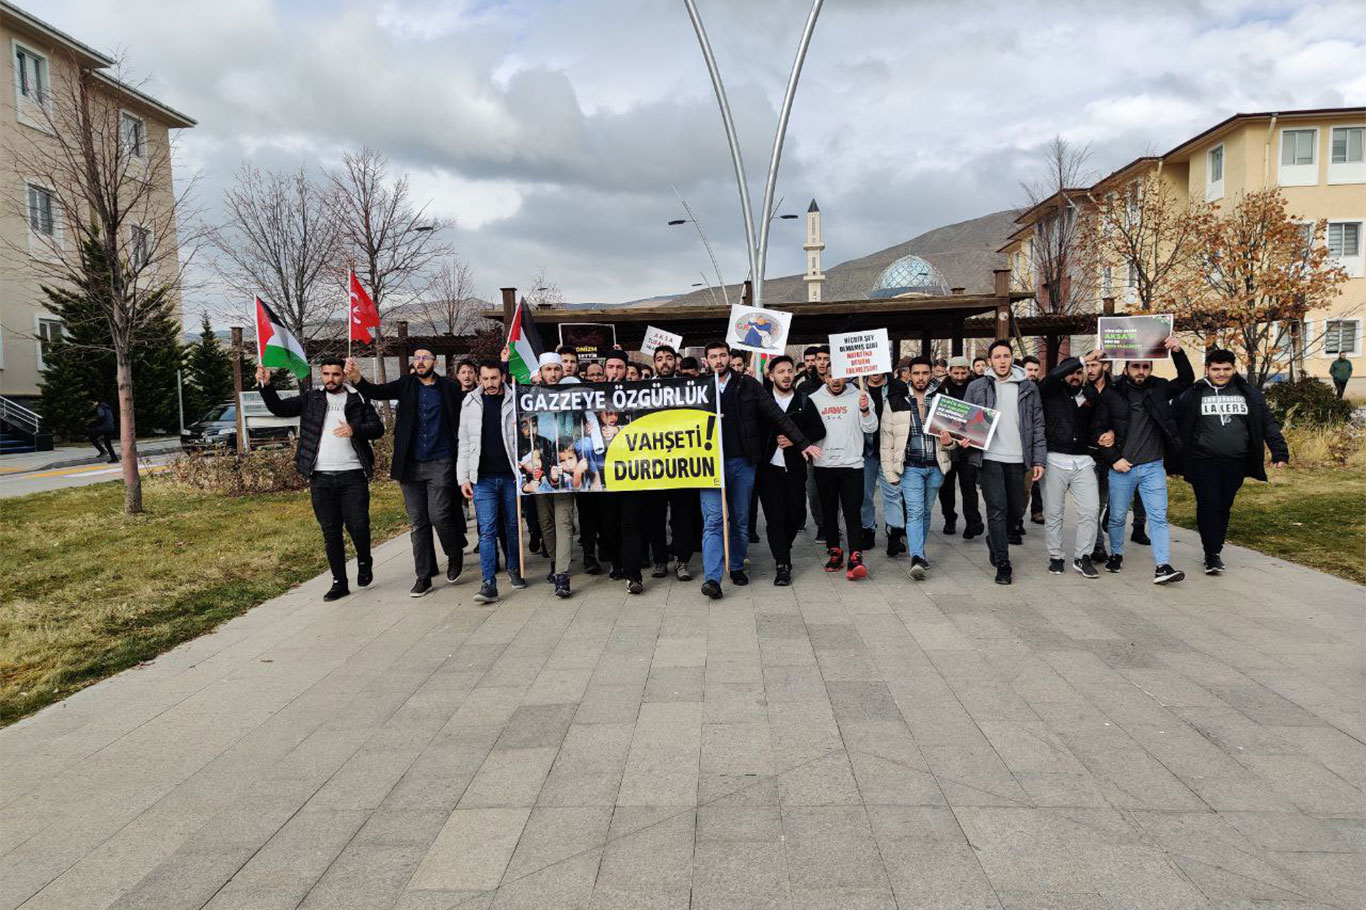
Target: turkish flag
364	316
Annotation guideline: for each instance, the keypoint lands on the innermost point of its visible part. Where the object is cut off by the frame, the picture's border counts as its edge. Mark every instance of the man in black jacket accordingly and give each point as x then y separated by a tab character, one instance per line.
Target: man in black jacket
747	414
808	381
102	430
335	429
1137	408
425	429
1223	423
1069	404
955	385
781	475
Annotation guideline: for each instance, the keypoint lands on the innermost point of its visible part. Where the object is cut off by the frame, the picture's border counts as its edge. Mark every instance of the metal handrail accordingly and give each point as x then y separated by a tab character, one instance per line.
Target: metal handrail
19	415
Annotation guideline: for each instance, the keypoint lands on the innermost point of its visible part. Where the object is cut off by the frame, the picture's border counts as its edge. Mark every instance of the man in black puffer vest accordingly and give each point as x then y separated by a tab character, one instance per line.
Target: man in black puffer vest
335	429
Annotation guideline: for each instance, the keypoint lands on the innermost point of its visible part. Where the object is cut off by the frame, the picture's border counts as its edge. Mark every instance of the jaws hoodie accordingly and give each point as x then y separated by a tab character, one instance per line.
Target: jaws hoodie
844	424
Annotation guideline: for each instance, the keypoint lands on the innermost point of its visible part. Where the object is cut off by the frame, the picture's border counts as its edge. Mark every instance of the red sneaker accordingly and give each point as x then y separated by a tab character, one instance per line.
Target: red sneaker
836	560
856	568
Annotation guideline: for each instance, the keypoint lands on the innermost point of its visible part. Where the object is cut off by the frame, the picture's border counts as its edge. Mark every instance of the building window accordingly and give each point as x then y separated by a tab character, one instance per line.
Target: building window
1346	160
1344	239
133	132
1299	159
49	332
1340	337
1214	173
30	74
141	246
40	206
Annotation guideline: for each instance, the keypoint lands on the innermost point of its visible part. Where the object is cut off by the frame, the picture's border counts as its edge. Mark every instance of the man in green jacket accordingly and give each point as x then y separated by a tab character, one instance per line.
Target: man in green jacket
1341	371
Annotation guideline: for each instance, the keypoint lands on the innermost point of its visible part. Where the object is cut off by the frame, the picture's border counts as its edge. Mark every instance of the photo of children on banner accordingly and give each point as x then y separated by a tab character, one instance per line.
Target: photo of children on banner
564	452
968	424
1134	337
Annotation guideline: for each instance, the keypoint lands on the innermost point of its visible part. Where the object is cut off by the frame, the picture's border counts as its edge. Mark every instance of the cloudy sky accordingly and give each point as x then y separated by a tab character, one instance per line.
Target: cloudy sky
552	130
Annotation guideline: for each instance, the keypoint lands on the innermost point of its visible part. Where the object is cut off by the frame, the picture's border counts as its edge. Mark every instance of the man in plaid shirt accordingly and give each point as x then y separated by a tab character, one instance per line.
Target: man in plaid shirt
913	464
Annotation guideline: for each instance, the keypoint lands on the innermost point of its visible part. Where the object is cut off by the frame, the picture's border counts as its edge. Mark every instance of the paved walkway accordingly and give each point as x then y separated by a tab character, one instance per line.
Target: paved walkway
1060	744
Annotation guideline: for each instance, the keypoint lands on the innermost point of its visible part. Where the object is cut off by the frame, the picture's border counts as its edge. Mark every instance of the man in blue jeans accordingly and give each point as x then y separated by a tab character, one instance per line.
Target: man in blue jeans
747	415
1138	408
485	469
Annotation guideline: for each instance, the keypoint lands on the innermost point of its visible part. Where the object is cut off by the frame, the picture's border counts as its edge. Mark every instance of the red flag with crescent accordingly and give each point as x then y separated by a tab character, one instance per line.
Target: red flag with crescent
364	316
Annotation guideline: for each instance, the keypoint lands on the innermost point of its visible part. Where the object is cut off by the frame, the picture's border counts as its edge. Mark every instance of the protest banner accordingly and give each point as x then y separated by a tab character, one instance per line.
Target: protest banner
970	424
860	354
758	330
655	337
658	434
591	341
1133	337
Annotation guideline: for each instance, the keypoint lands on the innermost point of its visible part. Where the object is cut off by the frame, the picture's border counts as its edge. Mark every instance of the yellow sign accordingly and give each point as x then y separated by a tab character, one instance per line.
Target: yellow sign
673	449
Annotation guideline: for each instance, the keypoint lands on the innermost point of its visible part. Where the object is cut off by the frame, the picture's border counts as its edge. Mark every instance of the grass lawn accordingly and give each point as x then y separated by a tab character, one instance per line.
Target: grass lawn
1313	516
89	591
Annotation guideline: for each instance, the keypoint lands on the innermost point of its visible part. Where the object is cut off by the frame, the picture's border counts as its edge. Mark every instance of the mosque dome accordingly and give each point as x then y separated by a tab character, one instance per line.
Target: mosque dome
909	276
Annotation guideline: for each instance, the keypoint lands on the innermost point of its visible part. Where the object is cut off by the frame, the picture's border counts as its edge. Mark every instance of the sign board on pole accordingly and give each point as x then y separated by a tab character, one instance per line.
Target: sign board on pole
591	341
860	354
1133	337
970	424
760	330
655	337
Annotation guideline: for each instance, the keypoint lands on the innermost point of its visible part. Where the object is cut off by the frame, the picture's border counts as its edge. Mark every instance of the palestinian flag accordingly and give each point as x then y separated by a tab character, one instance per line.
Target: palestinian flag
276	345
524	345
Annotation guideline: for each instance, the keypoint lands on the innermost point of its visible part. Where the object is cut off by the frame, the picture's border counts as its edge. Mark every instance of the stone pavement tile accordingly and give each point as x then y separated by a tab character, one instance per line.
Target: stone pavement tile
734	703
365	780
1213	775
674	684
588	767
662	767
606	898
734	667
802	731
553	835
936	875
445	900
1344	755
848	666
251	900
979	689
1130	777
1030	746
572	653
1336	879
488	706
933	713
1051	900
974	776
438	777
649	849
771	626
509	777
1292	831
558	686
1233	732
743	824
1264	706
472	850
1170	688
919	824
824	781
862	701
786	652
401	827
1310	785
610	704
566	885
680	652
739	874
365	876
888	782
536	725
300	852
842	899
793	684
832	847
186	881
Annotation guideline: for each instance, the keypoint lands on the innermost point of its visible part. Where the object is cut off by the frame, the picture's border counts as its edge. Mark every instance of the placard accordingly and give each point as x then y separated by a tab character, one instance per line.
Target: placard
1134	337
655	337
969	424
760	330
607	437
860	353
590	340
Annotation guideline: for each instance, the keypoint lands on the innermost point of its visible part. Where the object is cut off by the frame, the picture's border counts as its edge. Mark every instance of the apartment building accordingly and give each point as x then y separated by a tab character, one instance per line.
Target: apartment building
1315	157
39	57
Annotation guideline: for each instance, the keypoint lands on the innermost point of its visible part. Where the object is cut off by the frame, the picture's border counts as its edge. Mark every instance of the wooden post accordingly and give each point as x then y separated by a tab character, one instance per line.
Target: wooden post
1002	287
927	343
509	308
958	337
237	389
403	348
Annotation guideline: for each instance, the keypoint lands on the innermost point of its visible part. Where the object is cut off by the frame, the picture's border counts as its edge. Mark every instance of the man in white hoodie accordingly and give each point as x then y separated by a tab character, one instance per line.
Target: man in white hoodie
846	412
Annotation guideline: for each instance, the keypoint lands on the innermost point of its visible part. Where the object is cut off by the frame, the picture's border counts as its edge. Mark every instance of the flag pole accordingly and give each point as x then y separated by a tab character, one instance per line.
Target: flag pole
517	479
349	315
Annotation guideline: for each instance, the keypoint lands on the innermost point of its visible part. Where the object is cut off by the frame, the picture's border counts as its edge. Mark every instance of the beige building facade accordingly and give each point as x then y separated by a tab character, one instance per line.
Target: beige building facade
37	58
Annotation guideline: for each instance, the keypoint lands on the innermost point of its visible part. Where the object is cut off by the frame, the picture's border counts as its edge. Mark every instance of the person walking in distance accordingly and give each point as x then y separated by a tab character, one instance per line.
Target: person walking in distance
1017	449
335	430
486	472
847	414
424	460
913	463
1341	372
781	477
961	472
1223	423
103	428
1069	404
1137	407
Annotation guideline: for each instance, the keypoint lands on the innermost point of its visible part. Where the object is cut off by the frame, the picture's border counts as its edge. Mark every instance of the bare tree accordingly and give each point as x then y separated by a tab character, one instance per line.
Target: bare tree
1063	279
392	241
449	306
542	292
103	217
279	239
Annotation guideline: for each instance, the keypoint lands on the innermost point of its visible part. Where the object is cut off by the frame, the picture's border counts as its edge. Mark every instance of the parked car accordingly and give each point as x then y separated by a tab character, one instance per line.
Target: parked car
216	429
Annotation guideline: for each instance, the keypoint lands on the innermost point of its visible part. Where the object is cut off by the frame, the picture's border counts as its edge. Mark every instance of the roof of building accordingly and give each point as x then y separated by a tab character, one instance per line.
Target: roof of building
909	275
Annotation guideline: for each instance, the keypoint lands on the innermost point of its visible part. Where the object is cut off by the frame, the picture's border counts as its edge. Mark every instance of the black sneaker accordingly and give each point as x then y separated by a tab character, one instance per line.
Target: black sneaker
488	593
712	589
919	567
455	568
634	586
550	576
365	575
1114	563
1036	517
1098	556
1003	574
753	536
337	591
836	560
820	534
516	580
974	529
562	585
1056	567
739	578
1085	567
1214	565
783	578
421	588
661	570
1166	575
951	525
896	542
591	566
681	571
1015	538
869	538
1140	537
